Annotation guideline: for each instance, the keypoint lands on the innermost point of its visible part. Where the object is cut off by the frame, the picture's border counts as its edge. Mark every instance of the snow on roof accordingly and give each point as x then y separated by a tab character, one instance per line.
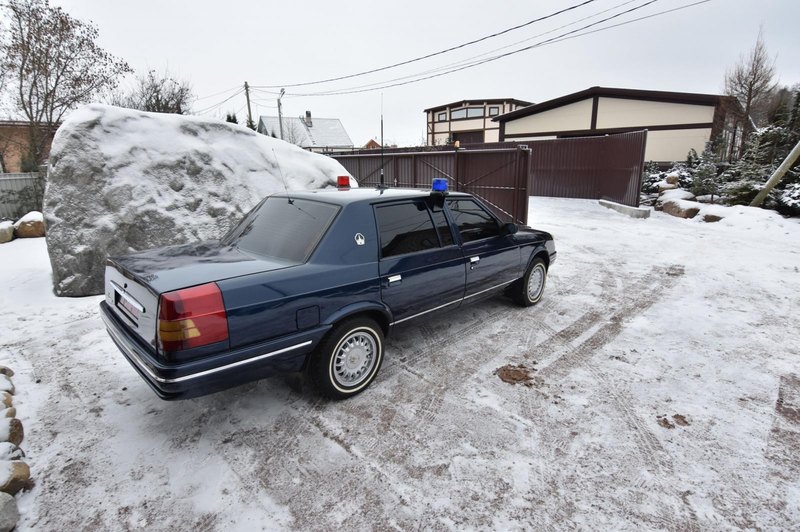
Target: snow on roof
322	133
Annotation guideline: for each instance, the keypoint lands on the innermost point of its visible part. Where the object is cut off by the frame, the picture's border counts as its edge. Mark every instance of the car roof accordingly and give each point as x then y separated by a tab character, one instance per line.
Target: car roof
346	196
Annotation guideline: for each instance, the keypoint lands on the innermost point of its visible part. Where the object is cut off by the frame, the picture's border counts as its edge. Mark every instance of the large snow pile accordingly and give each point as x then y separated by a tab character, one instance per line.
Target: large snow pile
123	180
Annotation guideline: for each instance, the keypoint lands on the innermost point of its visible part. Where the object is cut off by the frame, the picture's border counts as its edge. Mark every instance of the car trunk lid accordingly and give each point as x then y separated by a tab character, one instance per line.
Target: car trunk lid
134	283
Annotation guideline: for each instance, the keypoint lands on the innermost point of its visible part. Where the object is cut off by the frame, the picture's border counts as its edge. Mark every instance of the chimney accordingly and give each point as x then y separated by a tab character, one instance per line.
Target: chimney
308	119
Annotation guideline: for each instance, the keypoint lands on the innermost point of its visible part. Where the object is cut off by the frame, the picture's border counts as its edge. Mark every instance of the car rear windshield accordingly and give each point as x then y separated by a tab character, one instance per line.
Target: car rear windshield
283	228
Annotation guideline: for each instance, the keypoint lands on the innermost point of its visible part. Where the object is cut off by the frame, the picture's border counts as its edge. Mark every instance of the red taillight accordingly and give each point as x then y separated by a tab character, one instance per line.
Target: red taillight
191	317
343	181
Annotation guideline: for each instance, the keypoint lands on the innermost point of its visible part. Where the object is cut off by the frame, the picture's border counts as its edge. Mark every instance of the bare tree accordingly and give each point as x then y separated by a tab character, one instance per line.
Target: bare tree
53	65
293	132
157	93
750	81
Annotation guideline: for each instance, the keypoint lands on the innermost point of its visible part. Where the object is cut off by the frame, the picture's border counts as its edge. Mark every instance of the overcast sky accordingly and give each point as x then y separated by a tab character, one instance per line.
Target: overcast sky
218	45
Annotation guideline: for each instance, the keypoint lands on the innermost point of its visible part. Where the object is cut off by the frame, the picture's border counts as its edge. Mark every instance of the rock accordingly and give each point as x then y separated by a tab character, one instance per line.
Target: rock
11	431
7	399
9	514
672	194
6	232
711	218
30	226
676	193
663	185
9	451
122	180
6	371
681	208
708	198
13	476
672	179
9	412
6	385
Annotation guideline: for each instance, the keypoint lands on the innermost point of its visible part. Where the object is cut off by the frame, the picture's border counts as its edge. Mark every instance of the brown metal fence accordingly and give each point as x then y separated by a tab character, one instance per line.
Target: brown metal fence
499	177
608	167
504	174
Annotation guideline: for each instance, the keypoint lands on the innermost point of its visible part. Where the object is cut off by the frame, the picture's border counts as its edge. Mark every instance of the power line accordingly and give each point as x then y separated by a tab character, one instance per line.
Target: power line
472	60
216	94
564	36
216	105
440	52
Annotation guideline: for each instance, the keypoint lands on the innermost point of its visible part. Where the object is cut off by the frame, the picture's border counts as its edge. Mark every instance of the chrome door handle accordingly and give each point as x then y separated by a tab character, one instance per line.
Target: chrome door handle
395	279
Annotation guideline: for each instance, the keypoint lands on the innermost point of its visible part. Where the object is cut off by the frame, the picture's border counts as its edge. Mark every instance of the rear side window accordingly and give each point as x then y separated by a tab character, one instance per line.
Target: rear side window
405	228
473	222
283	229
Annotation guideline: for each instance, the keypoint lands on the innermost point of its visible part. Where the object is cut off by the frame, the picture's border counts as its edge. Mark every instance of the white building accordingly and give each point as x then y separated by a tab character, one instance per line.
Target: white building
317	135
676	121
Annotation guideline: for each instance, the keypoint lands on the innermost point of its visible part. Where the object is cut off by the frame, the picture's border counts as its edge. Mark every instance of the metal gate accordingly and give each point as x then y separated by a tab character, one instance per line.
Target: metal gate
500	177
608	167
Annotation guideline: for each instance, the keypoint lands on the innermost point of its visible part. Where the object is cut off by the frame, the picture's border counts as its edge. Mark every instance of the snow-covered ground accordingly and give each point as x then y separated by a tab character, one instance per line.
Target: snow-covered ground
643	320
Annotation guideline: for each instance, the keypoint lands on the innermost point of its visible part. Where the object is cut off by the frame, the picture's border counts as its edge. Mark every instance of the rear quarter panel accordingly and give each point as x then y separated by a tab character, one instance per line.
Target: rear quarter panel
340	273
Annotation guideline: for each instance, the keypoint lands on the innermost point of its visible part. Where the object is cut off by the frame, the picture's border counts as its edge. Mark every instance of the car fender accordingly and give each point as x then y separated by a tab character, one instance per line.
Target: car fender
538	249
361	307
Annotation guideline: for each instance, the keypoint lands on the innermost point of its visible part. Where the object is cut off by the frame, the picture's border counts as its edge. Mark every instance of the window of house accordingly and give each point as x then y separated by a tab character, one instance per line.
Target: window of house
457	114
473	222
441	117
405	228
474	112
494	111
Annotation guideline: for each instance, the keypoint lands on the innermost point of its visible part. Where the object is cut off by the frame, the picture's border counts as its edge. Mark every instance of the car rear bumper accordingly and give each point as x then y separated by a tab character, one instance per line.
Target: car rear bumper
182	380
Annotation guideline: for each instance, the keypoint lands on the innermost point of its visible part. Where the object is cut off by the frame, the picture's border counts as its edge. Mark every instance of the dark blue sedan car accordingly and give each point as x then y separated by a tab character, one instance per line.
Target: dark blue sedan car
313	281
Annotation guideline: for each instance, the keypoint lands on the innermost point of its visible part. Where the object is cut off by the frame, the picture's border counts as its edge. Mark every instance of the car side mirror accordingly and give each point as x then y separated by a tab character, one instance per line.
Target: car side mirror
510	229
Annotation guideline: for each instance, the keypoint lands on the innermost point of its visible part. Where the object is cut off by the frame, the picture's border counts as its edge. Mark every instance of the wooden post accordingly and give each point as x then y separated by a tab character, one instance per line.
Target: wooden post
777	175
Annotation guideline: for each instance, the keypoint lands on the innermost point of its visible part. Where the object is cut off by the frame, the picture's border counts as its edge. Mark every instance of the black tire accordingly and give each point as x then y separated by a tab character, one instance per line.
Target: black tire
340	372
536	275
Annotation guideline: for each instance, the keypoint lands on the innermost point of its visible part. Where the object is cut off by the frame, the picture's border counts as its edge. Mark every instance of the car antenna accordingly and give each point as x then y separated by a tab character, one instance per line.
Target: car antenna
382	185
283	179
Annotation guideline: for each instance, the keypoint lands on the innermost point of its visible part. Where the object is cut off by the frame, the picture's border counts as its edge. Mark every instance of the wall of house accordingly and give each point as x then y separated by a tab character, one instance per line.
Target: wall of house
13	145
618	112
674	144
569	117
440	132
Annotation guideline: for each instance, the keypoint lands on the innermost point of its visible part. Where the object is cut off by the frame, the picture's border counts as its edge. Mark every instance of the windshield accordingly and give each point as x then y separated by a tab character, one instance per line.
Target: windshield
282	228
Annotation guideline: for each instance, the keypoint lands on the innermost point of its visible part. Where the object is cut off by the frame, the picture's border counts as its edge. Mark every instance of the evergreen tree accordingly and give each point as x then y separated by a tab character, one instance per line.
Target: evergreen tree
231	117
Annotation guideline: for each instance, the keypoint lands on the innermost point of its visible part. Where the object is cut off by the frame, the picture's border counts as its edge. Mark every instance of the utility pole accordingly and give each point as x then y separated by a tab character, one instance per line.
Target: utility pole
249	114
280	112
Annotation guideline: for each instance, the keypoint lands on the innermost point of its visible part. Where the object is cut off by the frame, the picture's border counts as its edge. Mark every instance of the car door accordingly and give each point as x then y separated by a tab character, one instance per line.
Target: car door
492	257
422	268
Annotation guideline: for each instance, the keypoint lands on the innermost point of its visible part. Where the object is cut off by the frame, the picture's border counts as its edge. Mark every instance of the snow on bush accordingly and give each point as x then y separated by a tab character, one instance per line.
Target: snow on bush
122	180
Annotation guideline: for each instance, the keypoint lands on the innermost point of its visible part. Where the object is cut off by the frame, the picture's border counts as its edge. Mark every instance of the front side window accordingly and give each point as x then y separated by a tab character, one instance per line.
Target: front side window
441	117
473	222
405	228
475	112
457	114
283	228
494	111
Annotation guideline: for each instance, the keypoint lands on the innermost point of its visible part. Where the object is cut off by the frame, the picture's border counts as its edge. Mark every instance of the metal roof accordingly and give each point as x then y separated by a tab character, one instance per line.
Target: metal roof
322	133
488	101
631	94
